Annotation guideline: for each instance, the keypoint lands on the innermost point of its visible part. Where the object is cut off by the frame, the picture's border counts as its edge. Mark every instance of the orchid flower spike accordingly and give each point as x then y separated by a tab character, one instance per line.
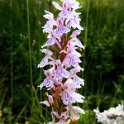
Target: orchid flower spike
61	79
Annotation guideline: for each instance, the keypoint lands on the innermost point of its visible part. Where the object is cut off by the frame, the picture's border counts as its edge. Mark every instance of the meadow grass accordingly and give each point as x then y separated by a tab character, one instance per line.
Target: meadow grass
21	37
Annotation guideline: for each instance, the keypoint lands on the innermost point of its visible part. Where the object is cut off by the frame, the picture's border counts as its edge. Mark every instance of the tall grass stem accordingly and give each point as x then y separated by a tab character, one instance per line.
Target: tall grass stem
29	41
11	55
85	38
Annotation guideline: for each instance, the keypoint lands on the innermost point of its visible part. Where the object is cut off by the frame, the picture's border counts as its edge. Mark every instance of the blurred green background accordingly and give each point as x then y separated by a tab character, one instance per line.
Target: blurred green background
21	38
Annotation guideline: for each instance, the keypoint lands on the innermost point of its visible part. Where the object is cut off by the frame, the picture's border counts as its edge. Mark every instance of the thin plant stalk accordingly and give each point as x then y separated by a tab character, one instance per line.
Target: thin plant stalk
11	56
86	36
30	56
29	41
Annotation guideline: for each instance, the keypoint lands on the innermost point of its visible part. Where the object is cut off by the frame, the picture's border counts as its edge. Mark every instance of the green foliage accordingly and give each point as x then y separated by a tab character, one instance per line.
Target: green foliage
103	58
104	54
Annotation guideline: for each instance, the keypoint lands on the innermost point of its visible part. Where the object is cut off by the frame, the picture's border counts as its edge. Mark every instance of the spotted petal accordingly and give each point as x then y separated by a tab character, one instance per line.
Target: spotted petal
78	81
76	42
62	29
71	60
47	83
43	63
61	72
50	42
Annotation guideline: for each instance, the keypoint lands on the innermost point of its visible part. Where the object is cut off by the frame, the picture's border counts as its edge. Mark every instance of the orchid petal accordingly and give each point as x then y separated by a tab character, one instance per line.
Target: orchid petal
43	63
77	97
45	103
61	72
47	52
75	33
77	110
62	29
71	60
64	14
78	81
50	42
76	42
61	122
48	15
47	83
57	6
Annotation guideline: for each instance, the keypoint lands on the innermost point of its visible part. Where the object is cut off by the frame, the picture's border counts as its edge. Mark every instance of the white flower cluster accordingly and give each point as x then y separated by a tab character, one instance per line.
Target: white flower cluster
115	115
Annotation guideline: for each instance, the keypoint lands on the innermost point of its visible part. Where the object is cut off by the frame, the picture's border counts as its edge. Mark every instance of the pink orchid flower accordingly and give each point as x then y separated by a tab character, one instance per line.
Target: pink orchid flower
61	79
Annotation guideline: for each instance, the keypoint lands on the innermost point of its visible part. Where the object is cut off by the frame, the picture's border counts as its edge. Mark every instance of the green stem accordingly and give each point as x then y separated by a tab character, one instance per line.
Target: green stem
29	41
85	38
11	60
11	57
86	29
30	57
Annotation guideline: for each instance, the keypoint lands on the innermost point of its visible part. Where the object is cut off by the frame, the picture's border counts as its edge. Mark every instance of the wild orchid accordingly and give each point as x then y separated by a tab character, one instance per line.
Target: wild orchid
61	79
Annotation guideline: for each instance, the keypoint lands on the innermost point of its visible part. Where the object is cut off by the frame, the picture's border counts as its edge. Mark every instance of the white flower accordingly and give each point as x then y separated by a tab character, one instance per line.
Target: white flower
115	115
